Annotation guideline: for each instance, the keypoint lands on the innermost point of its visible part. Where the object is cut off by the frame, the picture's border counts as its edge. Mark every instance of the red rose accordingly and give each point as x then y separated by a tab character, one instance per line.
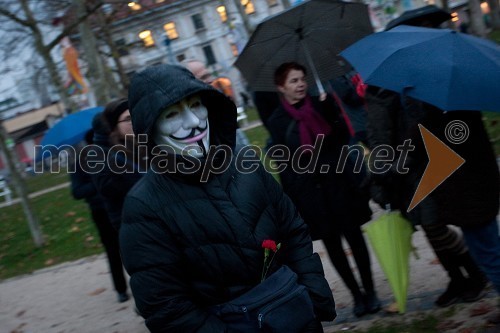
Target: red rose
269	244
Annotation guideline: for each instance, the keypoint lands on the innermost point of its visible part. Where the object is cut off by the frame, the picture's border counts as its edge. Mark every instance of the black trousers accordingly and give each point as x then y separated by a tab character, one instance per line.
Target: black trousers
353	236
109	239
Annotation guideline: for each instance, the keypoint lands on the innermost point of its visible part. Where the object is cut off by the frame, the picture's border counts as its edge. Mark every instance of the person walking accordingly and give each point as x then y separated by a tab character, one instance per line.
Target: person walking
82	187
465	199
334	205
123	165
224	85
194	243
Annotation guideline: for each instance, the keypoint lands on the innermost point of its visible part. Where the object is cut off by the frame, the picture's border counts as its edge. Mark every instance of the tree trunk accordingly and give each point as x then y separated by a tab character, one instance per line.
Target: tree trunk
45	54
104	24
244	17
494	14
100	82
20	187
478	27
446	8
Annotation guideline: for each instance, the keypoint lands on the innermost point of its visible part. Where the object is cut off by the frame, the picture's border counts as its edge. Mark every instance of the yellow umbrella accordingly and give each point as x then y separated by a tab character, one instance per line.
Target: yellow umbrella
390	237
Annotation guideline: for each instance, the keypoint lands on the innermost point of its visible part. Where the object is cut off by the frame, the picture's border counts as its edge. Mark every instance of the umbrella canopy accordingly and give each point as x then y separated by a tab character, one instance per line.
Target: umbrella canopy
428	14
70	130
312	34
442	67
390	237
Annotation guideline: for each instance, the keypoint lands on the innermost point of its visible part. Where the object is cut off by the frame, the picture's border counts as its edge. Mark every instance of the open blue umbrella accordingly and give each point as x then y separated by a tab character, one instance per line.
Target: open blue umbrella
442	67
70	130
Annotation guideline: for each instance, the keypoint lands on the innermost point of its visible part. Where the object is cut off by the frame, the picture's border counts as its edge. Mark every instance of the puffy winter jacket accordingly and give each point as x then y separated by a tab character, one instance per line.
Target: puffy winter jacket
189	245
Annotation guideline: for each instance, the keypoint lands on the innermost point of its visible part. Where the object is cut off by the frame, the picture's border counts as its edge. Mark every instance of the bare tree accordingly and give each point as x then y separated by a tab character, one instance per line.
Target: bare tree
20	187
24	16
102	81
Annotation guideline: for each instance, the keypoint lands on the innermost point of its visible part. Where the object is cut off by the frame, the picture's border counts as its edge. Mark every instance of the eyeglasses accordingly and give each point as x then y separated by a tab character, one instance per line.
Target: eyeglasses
127	119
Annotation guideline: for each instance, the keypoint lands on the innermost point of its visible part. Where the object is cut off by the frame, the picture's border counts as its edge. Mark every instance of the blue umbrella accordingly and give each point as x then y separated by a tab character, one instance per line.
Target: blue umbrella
442	67
69	131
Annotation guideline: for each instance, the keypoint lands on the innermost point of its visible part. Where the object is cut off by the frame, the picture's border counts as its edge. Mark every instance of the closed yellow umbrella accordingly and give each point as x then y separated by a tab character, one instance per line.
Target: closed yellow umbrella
390	237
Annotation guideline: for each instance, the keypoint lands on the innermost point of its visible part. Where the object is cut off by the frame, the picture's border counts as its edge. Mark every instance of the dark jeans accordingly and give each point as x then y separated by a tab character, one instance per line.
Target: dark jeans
484	246
109	239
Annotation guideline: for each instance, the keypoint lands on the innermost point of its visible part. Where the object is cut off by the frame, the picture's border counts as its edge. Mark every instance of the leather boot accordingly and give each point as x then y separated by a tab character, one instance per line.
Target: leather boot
359	305
456	286
477	281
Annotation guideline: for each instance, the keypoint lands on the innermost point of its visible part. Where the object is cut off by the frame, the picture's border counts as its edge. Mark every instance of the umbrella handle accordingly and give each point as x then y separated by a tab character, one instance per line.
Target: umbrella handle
321	89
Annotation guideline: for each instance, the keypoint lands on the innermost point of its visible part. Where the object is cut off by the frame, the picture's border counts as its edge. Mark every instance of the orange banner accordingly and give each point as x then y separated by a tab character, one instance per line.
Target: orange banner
70	55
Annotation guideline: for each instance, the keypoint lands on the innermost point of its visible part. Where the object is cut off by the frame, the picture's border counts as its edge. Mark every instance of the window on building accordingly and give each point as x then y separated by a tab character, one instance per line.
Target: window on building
198	22
181	57
209	55
272	3
134	5
248	5
121	45
222	13
147	38
171	31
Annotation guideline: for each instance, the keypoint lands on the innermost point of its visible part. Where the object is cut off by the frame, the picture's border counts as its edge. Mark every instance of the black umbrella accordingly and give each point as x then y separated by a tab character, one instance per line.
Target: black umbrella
312	33
431	14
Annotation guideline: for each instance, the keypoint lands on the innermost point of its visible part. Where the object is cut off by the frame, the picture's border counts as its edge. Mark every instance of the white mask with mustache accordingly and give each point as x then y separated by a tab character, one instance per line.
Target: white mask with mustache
184	127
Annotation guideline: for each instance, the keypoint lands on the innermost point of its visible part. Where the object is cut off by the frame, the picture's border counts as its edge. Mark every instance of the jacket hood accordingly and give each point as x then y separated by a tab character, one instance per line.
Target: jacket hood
158	87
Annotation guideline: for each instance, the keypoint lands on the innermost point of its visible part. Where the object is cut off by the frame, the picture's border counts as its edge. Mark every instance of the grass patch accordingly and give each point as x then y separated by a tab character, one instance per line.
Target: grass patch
66	224
38	182
495	36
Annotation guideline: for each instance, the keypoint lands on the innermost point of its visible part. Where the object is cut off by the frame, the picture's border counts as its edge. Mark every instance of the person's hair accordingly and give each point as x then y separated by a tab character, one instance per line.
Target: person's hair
282	71
113	111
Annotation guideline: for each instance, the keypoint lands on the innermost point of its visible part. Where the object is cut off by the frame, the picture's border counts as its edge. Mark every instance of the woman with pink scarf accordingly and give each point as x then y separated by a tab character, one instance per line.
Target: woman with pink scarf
334	204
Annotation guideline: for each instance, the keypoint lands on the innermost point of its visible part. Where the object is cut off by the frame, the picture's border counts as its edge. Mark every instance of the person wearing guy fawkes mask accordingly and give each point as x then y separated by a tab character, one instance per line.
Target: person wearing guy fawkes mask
191	245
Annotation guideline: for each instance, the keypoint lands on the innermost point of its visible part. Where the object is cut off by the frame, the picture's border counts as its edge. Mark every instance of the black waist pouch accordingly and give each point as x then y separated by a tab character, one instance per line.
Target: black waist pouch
279	305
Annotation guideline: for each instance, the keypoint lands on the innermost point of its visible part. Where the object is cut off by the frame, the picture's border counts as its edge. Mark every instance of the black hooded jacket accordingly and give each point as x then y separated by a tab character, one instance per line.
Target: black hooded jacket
189	245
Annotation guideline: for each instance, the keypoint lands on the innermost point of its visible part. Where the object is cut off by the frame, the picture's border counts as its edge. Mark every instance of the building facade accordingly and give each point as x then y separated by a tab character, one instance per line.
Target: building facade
212	31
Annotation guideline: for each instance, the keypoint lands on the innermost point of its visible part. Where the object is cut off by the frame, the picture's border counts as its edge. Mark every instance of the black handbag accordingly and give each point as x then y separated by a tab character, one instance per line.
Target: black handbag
279	305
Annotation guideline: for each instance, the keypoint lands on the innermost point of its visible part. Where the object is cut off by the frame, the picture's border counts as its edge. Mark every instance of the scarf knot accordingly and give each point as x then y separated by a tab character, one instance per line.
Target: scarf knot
310	122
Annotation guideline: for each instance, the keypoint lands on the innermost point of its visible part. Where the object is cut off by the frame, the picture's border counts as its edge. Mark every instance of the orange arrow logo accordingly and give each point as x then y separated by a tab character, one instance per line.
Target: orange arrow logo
443	162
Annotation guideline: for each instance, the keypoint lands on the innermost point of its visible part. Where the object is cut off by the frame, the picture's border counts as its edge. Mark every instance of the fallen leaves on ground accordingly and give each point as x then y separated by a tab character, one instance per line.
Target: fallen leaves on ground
69	214
480	310
97	291
74	229
435	262
466	330
49	262
20	313
448	325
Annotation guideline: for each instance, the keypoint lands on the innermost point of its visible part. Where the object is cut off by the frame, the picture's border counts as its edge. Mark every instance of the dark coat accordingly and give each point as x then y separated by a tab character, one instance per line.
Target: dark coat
328	202
470	196
82	187
111	183
189	245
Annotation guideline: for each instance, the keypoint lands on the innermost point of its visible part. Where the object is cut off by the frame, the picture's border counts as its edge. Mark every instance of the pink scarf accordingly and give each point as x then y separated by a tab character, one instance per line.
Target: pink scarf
310	122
